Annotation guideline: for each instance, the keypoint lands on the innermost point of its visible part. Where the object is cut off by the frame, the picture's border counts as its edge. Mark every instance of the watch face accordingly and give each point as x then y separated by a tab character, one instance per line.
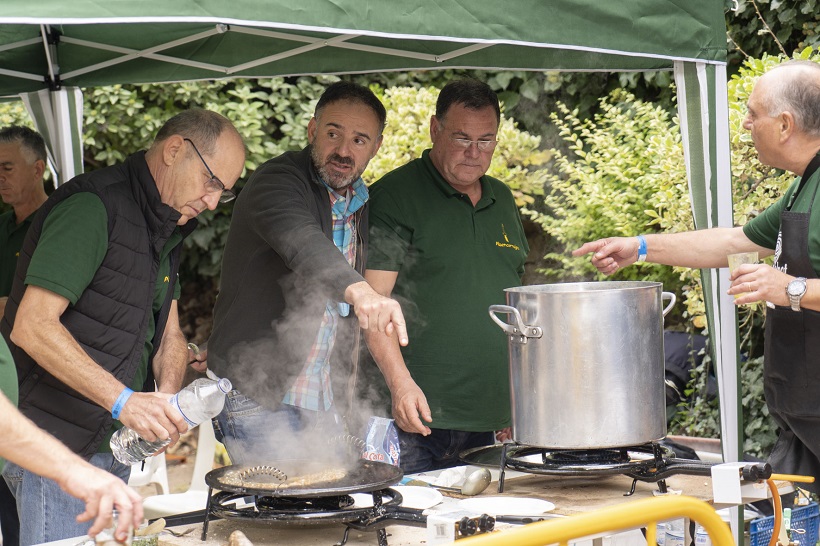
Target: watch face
796	287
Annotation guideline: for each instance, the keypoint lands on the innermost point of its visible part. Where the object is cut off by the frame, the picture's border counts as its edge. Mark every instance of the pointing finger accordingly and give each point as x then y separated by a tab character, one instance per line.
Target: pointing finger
586	248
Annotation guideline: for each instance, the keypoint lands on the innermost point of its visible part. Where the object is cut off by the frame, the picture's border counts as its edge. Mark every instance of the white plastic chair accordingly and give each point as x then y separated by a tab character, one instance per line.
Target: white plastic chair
196	497
154	471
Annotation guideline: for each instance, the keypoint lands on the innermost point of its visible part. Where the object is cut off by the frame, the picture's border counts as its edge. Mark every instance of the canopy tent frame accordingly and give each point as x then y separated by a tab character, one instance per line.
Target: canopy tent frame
50	38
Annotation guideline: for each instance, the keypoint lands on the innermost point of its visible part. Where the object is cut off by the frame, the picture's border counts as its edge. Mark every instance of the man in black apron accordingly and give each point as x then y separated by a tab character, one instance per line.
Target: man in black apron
785	126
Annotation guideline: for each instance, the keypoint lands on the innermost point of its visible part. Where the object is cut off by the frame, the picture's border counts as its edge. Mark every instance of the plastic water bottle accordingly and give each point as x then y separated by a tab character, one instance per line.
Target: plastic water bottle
674	533
702	537
199	401
660	533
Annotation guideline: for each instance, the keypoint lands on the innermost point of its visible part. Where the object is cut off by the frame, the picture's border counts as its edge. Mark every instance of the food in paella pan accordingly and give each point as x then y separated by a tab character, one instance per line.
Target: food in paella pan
266	477
315	478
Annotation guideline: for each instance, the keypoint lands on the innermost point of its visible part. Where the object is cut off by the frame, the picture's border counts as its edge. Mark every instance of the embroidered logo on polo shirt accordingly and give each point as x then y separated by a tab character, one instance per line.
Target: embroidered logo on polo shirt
507	243
166	279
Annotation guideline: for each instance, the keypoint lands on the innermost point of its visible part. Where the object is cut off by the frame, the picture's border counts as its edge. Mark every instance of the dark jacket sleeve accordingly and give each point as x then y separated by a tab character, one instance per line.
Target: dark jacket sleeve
293	217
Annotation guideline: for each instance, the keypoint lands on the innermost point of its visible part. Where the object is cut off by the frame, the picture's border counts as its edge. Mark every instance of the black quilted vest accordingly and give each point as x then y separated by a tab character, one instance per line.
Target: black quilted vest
110	319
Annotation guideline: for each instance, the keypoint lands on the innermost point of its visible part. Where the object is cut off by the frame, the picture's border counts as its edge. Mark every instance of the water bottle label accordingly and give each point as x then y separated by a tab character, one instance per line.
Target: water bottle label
674	535
175	402
702	537
660	533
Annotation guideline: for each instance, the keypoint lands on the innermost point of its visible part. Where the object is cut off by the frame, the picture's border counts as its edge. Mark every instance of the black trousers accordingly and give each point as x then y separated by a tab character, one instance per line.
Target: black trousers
9	523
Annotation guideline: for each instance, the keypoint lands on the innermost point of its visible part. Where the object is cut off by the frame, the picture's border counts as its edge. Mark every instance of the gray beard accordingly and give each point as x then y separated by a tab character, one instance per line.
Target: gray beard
335	181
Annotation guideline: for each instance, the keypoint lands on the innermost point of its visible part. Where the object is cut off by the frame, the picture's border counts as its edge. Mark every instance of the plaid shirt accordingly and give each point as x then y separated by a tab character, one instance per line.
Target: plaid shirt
312	389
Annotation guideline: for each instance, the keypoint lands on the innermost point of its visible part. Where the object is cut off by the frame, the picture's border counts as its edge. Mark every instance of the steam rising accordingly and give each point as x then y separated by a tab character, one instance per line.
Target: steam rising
262	370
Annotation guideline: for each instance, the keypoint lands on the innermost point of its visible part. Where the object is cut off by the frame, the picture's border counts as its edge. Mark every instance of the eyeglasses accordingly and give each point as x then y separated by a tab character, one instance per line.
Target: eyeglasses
213	184
483	145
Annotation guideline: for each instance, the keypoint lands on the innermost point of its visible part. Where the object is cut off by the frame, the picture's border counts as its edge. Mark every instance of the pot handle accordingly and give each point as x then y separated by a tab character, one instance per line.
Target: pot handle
519	331
671	296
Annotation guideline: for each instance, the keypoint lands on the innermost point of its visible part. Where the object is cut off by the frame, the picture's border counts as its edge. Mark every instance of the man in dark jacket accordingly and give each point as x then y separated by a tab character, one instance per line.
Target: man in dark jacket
283	325
92	315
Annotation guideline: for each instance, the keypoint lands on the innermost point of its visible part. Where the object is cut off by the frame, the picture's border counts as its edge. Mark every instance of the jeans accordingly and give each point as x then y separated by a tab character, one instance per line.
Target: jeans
254	434
46	512
439	449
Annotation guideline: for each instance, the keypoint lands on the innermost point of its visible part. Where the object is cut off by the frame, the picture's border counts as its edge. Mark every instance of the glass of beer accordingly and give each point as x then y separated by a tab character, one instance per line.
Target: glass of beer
736	260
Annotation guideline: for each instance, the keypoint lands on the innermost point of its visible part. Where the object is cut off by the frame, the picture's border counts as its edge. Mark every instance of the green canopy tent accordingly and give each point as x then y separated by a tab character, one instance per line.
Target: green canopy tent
54	45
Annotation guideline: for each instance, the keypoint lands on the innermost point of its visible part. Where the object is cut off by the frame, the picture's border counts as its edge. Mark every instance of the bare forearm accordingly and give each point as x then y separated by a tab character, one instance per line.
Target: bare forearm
699	249
52	346
171	361
387	354
410	405
29	446
37	451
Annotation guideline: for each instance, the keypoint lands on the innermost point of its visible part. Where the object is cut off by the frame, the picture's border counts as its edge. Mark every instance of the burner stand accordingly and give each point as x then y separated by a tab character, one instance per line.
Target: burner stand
316	511
649	462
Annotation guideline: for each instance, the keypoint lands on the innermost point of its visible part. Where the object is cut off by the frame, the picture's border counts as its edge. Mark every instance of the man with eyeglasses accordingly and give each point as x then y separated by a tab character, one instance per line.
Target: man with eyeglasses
293	297
91	319
445	240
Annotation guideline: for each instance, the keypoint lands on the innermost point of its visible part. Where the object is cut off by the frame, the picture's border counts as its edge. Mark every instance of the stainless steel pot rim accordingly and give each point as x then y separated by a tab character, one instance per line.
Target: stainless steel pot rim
579	287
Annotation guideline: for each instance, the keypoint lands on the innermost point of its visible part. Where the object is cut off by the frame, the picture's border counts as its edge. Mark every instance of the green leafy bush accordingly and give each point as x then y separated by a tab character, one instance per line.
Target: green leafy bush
611	183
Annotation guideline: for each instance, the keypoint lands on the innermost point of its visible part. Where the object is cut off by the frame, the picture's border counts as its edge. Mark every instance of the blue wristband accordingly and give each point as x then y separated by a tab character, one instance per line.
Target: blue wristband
121	400
641	248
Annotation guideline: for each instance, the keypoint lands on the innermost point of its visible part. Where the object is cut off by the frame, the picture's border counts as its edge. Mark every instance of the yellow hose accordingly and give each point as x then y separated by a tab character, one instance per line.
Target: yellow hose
778	507
793	478
629	515
778	512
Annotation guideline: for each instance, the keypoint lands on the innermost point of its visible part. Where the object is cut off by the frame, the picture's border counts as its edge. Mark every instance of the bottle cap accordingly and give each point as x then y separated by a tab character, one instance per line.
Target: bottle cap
224	385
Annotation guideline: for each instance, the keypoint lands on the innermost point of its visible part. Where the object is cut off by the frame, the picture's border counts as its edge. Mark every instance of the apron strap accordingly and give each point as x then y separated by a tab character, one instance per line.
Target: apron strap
813	165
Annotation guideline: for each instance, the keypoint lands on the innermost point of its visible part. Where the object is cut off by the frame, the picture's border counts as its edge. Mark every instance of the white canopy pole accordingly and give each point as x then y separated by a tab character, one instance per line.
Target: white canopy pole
705	127
58	117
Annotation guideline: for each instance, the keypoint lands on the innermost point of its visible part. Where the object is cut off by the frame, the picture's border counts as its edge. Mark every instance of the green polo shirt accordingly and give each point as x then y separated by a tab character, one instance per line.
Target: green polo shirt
764	228
72	247
11	241
454	260
8	378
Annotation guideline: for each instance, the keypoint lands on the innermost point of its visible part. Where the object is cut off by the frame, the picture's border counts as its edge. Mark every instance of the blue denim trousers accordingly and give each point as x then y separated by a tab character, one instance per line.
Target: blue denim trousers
46	512
254	434
439	449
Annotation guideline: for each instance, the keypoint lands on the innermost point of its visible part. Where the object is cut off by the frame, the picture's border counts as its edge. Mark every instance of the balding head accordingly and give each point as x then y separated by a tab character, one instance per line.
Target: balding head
203	127
196	156
794	86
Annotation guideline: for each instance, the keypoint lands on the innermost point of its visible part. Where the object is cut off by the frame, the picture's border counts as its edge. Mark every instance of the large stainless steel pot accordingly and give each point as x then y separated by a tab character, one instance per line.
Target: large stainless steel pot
586	363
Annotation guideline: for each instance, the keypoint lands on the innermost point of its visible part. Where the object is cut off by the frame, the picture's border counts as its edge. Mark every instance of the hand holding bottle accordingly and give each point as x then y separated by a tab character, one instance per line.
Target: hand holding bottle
201	400
151	415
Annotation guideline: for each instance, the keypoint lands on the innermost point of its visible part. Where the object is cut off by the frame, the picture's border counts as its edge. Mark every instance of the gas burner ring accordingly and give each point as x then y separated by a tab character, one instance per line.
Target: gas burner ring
539	460
303	505
223	505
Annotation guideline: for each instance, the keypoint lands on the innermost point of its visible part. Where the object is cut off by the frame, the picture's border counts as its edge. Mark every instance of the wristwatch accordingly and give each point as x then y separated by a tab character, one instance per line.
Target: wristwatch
796	289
